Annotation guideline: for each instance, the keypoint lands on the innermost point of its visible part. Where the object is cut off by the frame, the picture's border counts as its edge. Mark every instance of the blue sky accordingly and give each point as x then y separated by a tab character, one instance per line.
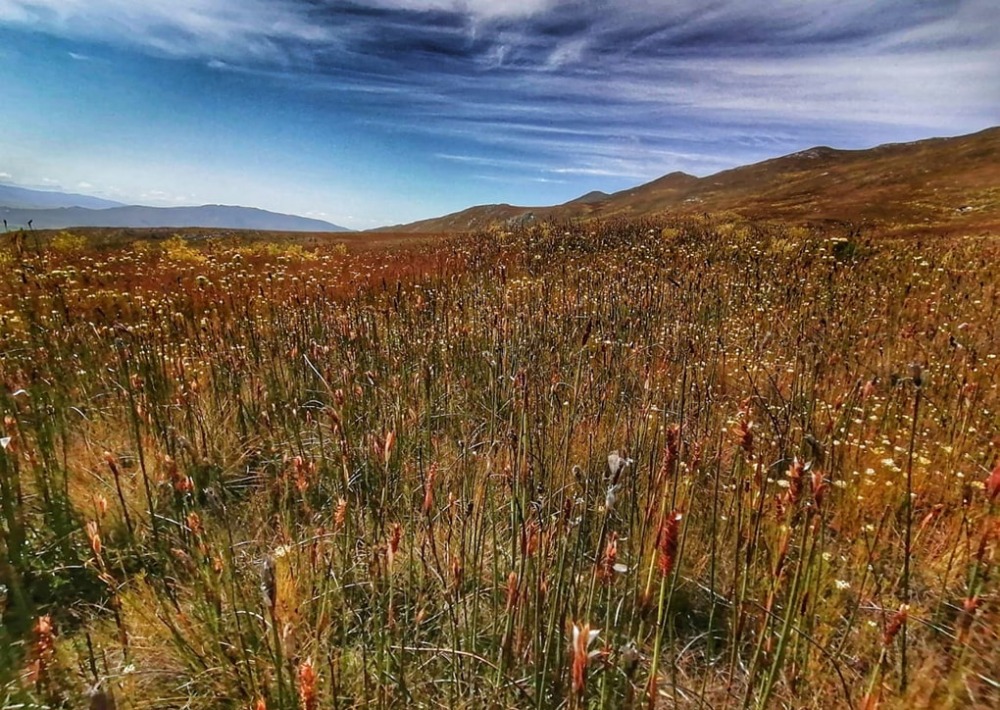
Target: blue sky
383	112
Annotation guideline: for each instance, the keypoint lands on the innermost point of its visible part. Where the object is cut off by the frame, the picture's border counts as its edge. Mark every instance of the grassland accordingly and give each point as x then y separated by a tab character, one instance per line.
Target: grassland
691	464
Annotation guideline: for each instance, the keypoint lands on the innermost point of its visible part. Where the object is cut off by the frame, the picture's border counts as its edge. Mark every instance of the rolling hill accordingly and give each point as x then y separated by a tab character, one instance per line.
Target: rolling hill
938	183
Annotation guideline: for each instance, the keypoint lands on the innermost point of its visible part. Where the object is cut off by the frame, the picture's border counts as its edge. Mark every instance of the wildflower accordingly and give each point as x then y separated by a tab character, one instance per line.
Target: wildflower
744	436
302	471
181	482
795	481
429	490
606	570
993	483
269	583
818	488
307	686
395	534
512	591
383	449
341	513
671	451
895	624
94	537
666	542
970	606
583	638
43	650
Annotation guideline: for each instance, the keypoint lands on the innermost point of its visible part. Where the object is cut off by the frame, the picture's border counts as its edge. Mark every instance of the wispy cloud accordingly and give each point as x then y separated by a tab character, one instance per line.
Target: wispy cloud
248	29
167	198
728	55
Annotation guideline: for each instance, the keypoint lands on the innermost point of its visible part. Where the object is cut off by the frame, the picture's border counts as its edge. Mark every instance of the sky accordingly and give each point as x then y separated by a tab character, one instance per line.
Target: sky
376	113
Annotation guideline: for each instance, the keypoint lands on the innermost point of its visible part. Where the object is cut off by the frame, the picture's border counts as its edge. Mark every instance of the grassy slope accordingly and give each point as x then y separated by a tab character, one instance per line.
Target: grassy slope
919	185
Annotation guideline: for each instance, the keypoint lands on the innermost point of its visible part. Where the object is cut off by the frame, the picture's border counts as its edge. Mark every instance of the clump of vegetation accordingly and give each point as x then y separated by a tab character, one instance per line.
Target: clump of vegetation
69	243
553	466
278	249
177	248
141	247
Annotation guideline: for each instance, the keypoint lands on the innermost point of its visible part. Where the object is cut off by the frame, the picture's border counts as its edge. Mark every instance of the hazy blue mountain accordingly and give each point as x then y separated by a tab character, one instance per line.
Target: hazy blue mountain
28	199
221	216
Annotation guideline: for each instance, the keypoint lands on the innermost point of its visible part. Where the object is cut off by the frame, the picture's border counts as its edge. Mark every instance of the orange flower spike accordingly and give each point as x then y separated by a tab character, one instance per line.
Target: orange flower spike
583	638
390	439
341	514
666	542
895	624
606	571
429	490
94	537
993	483
307	686
395	535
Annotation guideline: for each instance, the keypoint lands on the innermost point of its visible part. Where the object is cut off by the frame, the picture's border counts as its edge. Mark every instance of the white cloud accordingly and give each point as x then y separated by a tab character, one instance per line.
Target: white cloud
6	177
479	9
567	53
250	28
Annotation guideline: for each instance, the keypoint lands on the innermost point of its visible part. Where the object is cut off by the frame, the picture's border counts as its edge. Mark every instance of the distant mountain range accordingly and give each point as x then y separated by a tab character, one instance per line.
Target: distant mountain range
26	199
939	183
20	206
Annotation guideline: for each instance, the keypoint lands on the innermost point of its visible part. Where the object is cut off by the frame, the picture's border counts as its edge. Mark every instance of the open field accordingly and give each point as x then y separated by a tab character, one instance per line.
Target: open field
103	238
758	464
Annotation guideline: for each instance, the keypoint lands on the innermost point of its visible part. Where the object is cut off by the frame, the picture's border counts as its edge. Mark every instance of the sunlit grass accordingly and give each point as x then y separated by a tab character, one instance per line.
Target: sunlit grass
648	463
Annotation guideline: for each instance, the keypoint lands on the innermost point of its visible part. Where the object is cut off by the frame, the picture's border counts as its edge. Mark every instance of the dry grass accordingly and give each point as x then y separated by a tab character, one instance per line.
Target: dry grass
759	462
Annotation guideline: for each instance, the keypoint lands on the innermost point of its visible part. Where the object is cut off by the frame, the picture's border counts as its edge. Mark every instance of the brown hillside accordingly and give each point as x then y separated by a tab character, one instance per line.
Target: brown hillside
939	183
